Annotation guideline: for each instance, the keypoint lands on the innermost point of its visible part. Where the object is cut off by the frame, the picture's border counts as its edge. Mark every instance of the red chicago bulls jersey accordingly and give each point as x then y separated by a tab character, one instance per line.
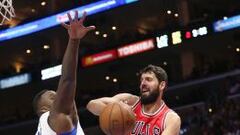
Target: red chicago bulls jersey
149	124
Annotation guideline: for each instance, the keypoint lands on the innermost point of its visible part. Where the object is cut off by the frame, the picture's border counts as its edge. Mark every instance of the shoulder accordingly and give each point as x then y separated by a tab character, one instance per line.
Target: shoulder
173	118
172	124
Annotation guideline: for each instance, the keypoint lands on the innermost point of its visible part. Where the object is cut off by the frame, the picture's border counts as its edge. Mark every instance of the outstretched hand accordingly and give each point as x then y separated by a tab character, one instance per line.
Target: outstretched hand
76	29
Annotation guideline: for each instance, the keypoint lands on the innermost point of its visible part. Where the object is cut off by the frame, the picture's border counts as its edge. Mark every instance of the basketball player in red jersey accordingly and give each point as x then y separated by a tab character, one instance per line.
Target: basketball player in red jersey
153	117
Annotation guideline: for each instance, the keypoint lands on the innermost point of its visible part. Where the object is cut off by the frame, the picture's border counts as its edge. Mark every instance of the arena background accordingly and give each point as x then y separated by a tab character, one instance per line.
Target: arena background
196	41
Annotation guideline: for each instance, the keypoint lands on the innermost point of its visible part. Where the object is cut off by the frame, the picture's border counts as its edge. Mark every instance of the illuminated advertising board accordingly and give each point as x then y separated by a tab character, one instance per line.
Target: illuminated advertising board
226	24
15	81
176	37
54	20
200	31
135	48
99	58
196	32
51	72
162	41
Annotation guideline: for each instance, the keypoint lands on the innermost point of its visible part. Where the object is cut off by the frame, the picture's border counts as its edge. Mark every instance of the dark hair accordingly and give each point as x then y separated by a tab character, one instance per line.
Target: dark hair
36	100
158	71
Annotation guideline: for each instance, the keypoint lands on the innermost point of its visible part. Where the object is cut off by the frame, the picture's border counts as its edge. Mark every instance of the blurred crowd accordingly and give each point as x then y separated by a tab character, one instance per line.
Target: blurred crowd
205	120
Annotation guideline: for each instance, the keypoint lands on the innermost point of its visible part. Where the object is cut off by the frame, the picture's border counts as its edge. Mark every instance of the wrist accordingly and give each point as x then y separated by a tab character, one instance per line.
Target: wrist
74	40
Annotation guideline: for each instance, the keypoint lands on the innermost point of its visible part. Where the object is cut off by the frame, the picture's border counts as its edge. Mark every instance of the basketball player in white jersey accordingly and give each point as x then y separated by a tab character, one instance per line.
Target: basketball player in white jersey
57	110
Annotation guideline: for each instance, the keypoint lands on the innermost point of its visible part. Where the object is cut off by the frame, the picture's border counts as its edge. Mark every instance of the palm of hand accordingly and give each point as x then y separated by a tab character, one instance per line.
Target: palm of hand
77	30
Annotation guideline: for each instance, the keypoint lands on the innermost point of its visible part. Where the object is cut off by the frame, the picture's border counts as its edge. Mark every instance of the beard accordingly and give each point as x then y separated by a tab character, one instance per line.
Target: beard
151	98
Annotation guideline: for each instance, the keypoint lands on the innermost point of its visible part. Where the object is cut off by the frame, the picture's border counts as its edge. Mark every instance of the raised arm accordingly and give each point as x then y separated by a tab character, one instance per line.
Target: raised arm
96	106
64	101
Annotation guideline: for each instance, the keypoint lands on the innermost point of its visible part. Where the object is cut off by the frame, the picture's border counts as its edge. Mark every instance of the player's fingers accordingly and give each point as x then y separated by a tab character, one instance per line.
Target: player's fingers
69	17
65	25
76	15
83	17
90	28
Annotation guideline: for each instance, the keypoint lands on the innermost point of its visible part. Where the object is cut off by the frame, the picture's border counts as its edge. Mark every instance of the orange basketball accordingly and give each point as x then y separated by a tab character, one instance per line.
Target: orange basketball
117	119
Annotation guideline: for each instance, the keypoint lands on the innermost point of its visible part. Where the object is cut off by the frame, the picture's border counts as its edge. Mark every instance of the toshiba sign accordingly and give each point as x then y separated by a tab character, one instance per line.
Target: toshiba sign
99	58
135	48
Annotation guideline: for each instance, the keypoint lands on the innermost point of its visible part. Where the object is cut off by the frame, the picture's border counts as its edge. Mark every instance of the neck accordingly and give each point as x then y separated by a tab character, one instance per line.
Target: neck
153	107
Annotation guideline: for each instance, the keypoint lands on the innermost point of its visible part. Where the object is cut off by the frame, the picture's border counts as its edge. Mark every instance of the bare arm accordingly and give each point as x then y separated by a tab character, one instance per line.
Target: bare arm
173	124
64	101
96	106
67	85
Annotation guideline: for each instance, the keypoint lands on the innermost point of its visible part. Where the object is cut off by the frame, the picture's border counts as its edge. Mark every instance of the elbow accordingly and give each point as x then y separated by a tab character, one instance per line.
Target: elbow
90	105
94	107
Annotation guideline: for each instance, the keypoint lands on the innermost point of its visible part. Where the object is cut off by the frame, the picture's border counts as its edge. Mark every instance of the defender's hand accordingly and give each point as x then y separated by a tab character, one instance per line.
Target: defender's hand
76	29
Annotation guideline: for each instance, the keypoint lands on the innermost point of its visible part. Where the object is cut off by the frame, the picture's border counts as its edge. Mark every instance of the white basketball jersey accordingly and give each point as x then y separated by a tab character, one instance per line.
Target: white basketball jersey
45	129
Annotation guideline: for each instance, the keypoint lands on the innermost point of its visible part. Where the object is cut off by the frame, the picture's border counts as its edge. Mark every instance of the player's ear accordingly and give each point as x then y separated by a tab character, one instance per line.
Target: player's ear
162	85
43	109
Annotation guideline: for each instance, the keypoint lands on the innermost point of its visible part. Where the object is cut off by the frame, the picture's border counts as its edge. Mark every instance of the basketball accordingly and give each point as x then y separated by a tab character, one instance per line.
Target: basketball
117	119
